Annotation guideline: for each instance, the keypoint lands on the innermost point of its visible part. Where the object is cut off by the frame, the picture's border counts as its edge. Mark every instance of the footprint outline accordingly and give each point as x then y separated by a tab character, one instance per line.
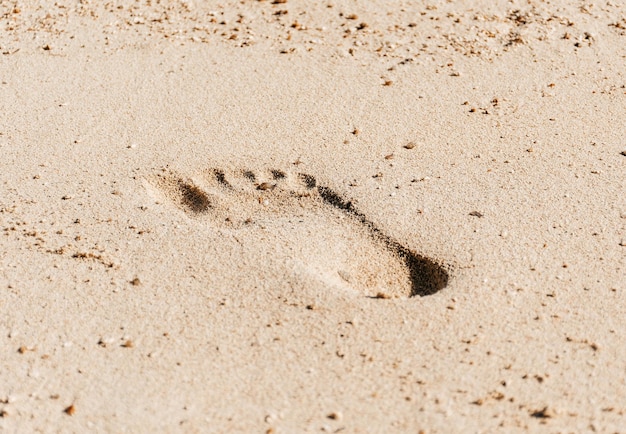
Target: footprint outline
427	276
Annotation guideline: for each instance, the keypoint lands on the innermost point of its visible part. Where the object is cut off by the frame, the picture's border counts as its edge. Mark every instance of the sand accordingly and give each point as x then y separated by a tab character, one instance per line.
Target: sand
280	217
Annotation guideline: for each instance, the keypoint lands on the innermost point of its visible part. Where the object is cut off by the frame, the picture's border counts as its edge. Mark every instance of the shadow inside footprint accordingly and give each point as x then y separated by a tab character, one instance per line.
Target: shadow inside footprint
427	277
193	198
383	267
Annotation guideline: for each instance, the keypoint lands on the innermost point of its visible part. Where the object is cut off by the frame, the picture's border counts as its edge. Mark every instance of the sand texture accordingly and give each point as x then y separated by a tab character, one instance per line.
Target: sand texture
294	216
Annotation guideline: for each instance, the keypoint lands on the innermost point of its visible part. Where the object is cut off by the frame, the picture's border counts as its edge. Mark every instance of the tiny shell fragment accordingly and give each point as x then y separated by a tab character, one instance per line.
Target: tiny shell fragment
265	186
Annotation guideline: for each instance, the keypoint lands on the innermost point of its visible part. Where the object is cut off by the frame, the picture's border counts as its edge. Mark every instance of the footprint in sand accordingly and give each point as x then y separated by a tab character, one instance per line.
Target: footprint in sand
321	232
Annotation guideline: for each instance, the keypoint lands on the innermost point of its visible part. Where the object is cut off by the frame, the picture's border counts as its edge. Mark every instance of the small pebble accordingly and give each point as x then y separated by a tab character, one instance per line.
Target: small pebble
335	415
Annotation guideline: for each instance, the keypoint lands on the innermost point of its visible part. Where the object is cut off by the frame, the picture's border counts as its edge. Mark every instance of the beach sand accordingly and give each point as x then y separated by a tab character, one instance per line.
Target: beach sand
279	217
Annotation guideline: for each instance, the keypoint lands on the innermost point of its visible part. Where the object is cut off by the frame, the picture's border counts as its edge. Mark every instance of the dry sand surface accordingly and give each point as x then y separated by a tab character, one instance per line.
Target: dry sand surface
295	216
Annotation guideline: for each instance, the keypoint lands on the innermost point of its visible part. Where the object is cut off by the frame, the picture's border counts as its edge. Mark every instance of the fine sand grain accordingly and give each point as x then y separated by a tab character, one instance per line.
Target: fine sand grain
294	216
